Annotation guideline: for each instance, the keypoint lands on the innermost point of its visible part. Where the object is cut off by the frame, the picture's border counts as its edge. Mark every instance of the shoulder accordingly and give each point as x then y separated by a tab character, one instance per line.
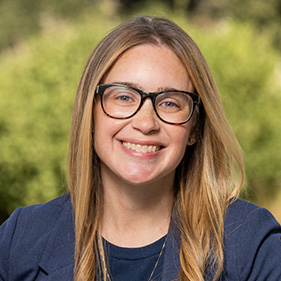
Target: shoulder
245	218
48	210
27	232
39	217
241	215
42	215
252	243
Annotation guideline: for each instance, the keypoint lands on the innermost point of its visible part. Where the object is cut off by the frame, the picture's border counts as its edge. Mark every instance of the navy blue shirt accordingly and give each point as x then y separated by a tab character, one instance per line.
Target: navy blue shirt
135	264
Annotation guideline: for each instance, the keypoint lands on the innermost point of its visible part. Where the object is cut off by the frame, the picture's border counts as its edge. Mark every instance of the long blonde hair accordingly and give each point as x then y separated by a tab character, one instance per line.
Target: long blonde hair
205	183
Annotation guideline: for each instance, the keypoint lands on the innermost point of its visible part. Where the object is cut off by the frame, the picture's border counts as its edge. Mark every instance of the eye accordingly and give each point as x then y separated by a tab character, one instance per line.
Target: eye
172	102
124	98
120	96
169	104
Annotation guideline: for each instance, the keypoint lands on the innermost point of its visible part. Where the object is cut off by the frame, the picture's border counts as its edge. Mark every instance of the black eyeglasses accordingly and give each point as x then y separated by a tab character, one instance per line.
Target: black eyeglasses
122	102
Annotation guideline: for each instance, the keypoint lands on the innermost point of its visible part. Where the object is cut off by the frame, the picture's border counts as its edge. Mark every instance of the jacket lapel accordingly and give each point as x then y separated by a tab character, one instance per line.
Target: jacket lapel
57	262
171	266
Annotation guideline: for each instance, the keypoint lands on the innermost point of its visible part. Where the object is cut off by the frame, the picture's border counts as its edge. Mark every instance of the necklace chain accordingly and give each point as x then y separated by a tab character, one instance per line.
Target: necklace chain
155	266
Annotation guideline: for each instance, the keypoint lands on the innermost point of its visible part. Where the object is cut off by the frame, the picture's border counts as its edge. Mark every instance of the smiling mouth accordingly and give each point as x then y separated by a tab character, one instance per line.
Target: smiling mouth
141	148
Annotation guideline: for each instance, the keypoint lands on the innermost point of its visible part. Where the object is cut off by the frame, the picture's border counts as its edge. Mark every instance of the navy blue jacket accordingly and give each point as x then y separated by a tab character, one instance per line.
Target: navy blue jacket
37	243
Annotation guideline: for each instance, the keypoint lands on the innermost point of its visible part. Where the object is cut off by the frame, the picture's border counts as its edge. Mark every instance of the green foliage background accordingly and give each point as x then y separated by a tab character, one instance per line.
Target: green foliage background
39	75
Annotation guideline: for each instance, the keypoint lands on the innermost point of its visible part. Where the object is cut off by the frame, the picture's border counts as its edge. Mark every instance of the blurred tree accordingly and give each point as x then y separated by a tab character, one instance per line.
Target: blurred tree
246	68
21	19
18	19
38	80
264	15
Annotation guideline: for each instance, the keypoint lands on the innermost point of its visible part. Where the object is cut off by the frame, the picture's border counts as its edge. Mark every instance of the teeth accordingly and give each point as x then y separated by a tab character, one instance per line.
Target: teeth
141	148
138	148
144	149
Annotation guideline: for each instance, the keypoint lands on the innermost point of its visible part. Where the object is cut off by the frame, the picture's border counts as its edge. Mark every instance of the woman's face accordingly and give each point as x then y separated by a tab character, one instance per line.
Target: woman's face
149	68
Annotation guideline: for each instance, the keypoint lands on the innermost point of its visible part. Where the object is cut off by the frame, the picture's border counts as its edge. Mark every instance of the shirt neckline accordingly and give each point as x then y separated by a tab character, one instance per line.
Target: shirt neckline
134	253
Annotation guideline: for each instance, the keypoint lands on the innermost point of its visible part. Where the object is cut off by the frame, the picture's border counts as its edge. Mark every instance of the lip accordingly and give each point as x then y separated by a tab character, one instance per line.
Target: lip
143	142
155	147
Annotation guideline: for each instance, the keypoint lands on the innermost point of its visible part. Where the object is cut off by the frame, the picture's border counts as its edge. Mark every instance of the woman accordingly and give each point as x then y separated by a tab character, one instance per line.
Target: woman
151	172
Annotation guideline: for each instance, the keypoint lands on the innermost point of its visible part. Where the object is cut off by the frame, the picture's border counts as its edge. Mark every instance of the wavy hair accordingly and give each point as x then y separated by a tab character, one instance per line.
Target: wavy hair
205	182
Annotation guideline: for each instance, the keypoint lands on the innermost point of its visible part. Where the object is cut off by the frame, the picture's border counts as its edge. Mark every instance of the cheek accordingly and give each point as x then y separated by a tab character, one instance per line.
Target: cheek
183	144
180	141
100	125
185	139
103	131
182	135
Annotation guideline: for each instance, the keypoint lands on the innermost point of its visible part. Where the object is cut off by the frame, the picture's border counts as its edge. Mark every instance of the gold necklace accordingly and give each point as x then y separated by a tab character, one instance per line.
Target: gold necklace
155	266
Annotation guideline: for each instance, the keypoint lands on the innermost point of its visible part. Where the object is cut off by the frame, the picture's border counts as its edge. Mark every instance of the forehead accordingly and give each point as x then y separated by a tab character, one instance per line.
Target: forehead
151	67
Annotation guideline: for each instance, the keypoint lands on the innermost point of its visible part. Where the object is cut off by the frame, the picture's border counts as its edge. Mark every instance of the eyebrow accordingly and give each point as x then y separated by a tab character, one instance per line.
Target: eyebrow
138	86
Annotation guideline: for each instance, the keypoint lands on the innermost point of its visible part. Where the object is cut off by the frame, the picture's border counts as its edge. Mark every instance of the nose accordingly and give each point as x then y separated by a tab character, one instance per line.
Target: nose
146	119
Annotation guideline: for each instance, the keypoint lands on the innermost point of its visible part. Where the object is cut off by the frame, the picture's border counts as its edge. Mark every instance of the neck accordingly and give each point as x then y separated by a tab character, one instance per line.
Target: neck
135	216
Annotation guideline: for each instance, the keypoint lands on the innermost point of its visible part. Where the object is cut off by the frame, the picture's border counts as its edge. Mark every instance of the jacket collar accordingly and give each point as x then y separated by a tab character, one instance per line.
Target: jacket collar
171	266
58	257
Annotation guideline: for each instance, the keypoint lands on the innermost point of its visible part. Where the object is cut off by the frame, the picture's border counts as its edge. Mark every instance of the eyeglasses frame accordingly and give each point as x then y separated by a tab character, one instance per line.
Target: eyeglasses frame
152	95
